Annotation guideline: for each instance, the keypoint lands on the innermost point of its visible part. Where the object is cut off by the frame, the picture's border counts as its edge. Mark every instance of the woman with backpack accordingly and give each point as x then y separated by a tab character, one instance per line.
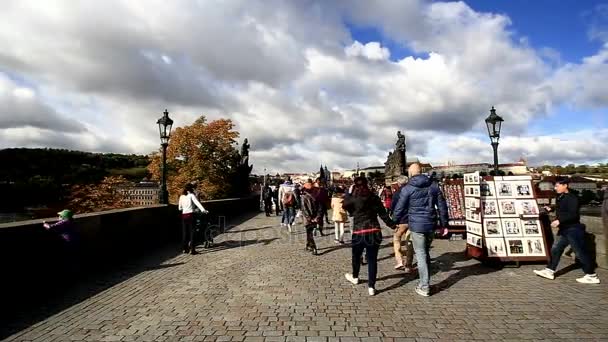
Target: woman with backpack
365	207
187	203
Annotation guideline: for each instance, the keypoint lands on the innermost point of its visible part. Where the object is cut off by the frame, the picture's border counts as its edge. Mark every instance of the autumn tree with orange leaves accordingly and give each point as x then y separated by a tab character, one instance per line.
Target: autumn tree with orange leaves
204	152
85	198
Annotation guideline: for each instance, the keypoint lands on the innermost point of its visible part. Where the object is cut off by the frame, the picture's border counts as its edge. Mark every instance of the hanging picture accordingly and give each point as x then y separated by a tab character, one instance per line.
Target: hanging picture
527	207
474	228
523	190
487	189
507	208
504	189
471	190
474	240
492	227
489	208
472	203
473	215
472	178
511	227
534	247
496	247
531	227
515	247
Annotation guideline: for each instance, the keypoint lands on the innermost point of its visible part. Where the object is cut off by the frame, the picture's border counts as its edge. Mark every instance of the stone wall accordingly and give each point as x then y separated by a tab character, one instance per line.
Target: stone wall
32	257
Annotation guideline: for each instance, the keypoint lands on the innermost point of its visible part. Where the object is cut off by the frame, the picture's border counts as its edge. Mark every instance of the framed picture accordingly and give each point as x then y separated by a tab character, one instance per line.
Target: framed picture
527	207
471	190
523	190
504	189
487	189
534	247
474	240
473	215
511	227
492	227
472	178
507	208
496	247
515	247
472	203
531	227
489	208
474	228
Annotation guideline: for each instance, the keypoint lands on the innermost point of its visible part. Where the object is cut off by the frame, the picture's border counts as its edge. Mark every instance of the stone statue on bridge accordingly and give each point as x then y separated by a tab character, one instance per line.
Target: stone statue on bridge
396	162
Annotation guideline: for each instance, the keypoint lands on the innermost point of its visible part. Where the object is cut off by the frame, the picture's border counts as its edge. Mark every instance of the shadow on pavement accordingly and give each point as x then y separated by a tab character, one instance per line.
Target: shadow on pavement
64	291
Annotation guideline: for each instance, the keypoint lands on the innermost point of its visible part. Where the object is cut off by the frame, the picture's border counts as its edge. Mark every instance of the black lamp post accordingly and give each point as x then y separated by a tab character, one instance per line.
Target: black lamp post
164	128
494	122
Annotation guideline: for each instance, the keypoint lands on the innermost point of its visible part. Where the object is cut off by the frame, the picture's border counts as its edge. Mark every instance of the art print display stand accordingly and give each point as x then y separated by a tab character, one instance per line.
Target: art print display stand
502	219
453	191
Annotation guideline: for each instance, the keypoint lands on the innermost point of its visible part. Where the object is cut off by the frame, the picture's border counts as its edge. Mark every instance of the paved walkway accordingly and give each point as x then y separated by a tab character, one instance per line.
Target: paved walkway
260	285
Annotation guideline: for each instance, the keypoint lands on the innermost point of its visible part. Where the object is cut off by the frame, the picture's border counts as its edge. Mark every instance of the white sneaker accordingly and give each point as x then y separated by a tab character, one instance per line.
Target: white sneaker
422	292
371	291
546	273
352	279
589	279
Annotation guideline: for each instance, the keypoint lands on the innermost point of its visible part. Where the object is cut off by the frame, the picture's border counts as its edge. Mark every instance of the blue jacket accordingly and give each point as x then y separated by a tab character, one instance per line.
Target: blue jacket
396	196
419	201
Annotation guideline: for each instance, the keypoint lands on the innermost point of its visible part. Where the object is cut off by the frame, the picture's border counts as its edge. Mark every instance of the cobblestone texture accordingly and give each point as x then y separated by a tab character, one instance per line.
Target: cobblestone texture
259	284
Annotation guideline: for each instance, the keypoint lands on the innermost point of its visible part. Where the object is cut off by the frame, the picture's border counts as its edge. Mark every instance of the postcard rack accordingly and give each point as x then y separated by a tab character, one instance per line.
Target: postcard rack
453	191
502	219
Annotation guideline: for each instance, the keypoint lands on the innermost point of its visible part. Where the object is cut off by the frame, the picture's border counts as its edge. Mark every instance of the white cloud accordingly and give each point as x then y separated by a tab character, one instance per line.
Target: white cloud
289	74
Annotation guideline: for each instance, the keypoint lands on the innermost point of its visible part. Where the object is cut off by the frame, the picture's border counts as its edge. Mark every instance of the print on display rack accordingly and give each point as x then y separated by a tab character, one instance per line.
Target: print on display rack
527	207
474	228
504	189
496	247
531	227
507	208
473	215
492	227
515	247
511	227
523	190
487	189
471	190
490	208
534	246
474	240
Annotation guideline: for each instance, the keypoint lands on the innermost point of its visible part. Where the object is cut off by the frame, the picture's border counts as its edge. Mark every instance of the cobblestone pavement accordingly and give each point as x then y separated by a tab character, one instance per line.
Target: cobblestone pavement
259	284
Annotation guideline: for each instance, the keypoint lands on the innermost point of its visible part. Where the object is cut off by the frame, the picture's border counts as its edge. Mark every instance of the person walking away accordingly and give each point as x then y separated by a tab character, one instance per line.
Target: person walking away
365	207
267	197
321	195
570	232
339	215
419	201
286	194
275	198
288	200
312	214
186	204
387	197
401	231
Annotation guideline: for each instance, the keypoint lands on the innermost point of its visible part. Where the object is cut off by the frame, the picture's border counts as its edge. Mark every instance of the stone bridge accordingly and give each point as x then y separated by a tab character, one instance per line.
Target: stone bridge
259	284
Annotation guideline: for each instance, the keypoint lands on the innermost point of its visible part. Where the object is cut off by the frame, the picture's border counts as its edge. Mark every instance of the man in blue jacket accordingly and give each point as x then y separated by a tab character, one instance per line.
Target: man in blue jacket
419	201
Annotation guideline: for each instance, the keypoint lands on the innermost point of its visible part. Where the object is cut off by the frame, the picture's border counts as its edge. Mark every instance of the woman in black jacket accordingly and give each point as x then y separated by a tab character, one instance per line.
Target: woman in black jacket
365	207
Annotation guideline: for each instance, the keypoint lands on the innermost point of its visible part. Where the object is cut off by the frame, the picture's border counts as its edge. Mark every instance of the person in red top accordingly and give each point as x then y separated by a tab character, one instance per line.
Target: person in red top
365	207
387	198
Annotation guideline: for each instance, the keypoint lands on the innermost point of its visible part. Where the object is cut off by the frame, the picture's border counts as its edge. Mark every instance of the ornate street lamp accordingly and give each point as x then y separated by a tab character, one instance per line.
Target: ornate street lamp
494	122
164	128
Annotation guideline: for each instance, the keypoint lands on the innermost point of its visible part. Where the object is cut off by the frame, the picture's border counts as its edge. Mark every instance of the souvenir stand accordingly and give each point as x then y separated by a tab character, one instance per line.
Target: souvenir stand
453	191
502	219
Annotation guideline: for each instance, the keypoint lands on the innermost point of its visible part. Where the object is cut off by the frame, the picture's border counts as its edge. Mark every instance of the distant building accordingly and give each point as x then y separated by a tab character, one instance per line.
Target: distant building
141	194
576	183
519	168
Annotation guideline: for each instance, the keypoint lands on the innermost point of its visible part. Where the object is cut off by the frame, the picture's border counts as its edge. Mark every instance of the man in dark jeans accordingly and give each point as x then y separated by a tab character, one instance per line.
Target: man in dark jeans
311	211
571	232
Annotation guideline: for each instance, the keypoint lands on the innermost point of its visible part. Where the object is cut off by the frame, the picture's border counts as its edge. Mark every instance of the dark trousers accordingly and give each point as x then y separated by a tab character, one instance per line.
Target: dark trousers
277	206
268	207
575	237
310	239
188	232
371	244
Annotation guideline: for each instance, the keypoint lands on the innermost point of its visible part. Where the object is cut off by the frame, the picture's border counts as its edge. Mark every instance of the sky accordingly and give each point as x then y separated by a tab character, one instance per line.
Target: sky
311	81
